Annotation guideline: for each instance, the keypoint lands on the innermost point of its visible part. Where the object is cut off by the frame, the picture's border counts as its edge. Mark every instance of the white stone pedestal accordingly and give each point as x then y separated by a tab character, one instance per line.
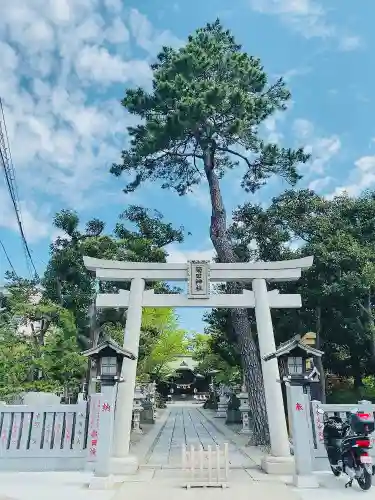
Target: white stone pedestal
305	482
280	466
124	466
101	483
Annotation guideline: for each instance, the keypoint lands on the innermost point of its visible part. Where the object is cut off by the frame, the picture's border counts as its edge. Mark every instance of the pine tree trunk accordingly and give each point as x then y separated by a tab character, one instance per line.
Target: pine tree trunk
239	317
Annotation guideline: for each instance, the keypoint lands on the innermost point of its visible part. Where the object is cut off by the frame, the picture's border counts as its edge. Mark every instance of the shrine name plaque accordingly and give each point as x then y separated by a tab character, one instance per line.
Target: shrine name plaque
198	279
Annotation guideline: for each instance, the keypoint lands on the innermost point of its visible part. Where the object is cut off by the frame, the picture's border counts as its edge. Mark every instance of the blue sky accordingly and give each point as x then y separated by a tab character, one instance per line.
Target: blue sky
64	65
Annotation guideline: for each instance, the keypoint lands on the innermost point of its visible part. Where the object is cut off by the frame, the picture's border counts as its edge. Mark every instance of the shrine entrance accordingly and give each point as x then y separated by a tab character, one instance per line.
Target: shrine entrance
199	275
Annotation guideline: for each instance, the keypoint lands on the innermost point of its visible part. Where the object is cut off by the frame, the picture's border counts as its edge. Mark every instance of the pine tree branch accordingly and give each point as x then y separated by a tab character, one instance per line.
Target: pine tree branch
230	151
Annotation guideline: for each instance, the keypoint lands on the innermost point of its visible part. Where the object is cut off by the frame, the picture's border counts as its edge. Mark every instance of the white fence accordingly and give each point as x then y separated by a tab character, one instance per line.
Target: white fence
316	440
36	437
206	467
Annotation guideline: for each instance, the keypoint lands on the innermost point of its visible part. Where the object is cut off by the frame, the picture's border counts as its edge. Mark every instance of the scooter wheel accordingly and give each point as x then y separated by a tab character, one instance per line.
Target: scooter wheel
365	481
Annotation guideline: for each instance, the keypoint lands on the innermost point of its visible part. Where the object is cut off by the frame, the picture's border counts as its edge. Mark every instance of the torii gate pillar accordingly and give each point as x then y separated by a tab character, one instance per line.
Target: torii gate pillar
122	462
279	461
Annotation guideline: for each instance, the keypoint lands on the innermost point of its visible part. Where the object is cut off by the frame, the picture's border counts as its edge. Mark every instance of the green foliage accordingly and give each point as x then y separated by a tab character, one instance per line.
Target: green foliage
204	348
162	342
208	96
62	362
46	356
25	366
69	283
351	395
338	291
16	362
30	308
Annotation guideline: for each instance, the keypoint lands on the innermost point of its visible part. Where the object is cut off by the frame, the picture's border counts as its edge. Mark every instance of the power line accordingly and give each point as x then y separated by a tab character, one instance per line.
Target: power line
7	257
10	177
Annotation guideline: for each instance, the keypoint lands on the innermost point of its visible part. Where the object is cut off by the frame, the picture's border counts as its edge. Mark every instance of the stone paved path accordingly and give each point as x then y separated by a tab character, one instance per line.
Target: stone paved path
187	424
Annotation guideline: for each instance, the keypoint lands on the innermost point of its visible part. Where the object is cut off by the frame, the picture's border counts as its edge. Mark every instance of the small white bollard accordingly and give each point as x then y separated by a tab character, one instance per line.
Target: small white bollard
206	468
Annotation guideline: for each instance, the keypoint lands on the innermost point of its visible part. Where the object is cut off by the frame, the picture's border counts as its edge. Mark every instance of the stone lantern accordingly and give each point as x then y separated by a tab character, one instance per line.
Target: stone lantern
294	357
297	375
139	398
106	358
106	362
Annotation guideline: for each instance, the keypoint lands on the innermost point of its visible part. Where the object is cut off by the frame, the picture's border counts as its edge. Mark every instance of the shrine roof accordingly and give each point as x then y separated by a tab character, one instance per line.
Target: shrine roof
292	345
109	343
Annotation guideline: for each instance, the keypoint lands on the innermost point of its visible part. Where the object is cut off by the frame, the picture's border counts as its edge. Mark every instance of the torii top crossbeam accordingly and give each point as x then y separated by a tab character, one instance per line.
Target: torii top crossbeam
113	270
199	274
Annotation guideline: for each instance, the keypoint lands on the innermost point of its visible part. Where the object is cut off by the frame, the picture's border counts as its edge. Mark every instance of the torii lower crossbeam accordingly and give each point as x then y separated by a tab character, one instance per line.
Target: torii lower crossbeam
244	300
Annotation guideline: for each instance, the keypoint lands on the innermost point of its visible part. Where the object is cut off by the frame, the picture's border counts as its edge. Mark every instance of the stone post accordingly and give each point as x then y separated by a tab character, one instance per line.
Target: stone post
222	405
282	462
102	478
137	409
122	463
153	399
300	412
244	409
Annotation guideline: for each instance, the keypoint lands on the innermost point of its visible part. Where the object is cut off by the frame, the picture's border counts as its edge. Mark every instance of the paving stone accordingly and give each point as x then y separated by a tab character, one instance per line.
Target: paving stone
185	424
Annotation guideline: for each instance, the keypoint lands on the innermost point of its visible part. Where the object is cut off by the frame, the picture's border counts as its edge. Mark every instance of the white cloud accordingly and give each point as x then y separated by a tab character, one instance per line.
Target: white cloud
320	183
35	220
308	18
176	255
147	37
295	72
349	43
200	197
361	177
97	65
117	32
270	124
60	60
322	149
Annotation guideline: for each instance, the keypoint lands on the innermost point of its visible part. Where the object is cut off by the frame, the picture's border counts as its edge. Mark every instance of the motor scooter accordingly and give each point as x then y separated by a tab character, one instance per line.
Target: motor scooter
347	443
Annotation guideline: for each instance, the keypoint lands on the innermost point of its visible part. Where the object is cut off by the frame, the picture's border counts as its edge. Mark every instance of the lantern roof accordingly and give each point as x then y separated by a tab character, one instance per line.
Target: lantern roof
293	345
109	344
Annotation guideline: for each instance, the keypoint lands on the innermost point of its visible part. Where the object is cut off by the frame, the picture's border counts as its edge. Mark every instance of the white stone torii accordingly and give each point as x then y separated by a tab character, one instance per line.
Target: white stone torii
199	274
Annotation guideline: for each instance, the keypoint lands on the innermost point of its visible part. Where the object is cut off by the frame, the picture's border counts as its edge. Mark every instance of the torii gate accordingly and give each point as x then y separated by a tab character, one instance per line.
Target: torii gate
199	275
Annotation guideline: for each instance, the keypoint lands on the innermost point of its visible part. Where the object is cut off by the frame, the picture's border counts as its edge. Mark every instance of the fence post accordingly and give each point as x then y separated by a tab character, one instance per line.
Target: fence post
318	426
209	464
310	424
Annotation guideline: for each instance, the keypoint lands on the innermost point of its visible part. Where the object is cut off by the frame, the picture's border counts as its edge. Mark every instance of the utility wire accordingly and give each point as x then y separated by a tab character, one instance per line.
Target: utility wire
7	257
10	178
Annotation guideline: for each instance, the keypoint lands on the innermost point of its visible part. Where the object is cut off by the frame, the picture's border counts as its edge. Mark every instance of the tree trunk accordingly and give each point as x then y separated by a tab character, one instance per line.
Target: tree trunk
240	321
59	292
358	384
94	337
318	360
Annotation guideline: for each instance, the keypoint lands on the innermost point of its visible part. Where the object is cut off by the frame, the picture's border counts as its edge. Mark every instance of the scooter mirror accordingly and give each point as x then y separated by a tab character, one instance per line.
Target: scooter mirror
321	411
